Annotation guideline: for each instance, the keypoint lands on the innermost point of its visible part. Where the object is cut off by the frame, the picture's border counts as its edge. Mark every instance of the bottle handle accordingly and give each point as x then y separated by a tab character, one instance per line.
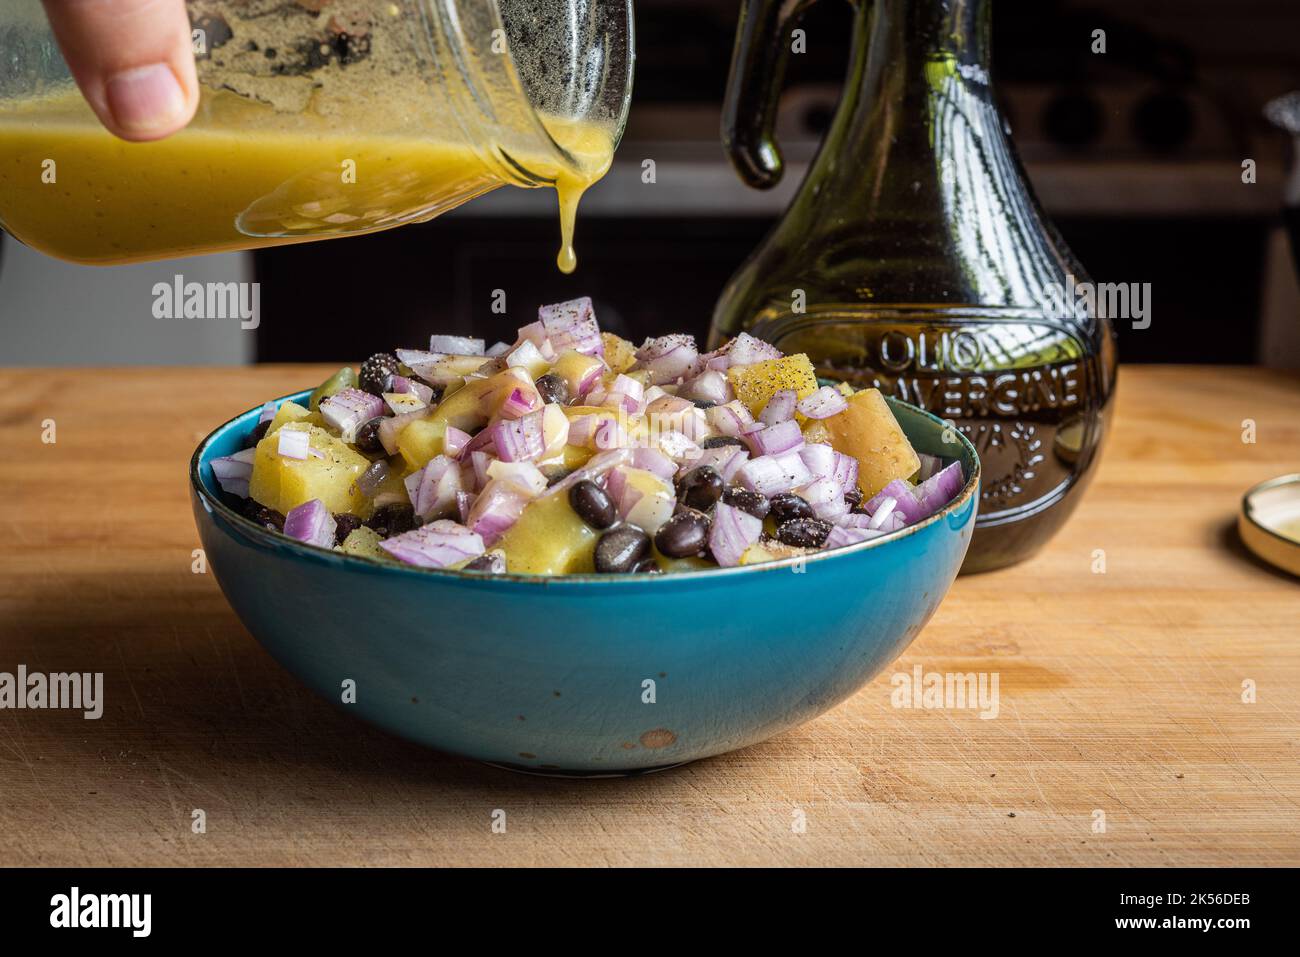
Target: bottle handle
754	88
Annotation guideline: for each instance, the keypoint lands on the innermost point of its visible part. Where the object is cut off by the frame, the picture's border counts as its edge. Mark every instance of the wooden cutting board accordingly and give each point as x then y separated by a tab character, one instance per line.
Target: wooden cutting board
1121	737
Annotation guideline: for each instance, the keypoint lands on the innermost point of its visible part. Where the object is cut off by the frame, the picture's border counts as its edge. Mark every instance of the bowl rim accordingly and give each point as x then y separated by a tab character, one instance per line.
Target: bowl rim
1248	506
316	553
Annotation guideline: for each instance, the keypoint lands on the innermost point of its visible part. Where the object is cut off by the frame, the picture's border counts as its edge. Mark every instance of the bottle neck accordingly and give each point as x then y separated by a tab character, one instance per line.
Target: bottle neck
916	194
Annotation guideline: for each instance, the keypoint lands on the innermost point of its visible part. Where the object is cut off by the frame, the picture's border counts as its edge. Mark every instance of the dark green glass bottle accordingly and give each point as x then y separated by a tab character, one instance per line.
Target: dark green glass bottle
915	258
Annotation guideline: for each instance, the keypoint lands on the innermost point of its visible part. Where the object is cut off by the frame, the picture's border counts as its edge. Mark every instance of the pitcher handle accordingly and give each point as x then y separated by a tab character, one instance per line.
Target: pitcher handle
754	88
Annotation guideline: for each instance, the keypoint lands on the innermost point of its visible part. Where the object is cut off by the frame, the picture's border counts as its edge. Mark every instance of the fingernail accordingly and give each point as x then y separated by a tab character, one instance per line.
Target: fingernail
146	98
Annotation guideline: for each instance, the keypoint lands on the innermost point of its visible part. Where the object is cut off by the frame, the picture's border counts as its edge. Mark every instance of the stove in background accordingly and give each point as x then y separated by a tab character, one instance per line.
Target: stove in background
1136	154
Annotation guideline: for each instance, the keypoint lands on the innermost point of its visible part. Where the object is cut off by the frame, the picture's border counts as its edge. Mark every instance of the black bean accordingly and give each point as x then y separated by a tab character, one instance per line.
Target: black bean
259	513
368	436
804	532
393	519
787	506
853	497
719	441
685	535
493	563
345	523
701	488
552	388
755	503
376	375
258	433
622	549
592	504
649	567
704	404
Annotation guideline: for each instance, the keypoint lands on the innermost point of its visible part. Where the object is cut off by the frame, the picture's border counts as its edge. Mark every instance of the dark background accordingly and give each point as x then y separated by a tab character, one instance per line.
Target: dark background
1136	154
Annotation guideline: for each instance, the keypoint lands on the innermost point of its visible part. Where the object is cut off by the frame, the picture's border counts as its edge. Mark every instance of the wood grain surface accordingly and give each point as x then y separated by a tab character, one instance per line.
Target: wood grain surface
1120	693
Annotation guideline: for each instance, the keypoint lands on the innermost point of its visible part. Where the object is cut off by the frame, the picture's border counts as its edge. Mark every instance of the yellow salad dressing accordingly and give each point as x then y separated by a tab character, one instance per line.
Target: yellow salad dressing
72	190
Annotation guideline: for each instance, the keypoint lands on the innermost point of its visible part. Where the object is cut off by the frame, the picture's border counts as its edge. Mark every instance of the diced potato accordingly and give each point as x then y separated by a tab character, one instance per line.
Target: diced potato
816	432
667	564
573	367
549	539
293	412
283	483
755	384
868	431
420	441
470	406
363	541
620	355
771	551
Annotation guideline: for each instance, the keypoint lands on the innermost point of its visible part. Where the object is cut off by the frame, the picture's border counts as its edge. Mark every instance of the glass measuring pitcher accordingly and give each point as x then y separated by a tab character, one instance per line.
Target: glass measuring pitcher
317	118
915	258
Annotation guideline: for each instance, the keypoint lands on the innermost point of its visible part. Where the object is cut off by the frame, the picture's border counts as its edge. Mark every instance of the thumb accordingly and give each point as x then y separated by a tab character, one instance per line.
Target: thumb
133	61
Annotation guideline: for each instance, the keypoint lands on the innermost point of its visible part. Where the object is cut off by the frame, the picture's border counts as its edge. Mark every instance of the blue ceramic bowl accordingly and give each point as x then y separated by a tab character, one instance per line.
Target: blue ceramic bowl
587	674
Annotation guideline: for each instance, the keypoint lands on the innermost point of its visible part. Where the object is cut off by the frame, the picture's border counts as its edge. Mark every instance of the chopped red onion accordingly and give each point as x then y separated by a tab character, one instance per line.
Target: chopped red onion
820	459
672	365
520	401
312	523
456	345
572	325
709	386
823	403
497	349
663	345
826	498
525	355
678	447
780	407
464	502
653	460
433	491
939	489
497	507
349	409
633	388
268	412
590	379
845	471
730	419
479	462
582	430
669	405
294	443
435	545
534	332
896	490
884	509
233	472
746	350
518	439
778	439
597	466
454	441
524	476
840	536
772	474
731	533
610	434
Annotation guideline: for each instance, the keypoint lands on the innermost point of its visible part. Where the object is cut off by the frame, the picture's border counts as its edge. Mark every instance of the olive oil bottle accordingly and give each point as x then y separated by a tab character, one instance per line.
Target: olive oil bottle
915	258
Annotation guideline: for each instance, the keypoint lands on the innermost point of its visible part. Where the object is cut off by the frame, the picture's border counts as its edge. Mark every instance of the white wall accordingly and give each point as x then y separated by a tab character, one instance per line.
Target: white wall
54	313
